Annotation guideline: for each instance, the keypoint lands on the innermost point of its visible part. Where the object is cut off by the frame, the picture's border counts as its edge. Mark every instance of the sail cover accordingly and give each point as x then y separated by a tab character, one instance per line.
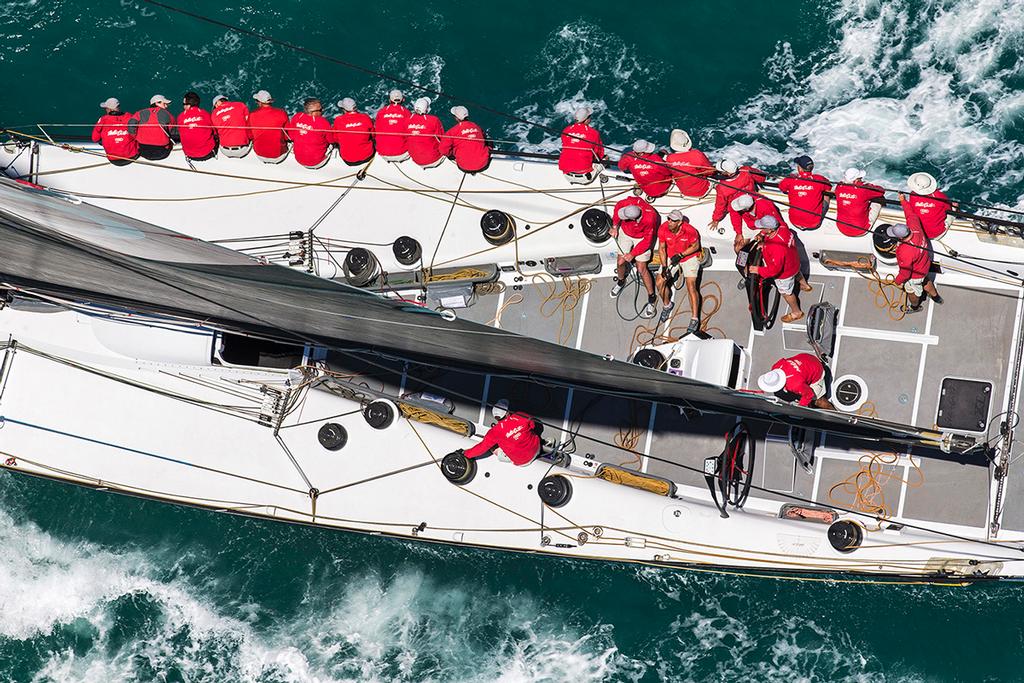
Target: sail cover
56	244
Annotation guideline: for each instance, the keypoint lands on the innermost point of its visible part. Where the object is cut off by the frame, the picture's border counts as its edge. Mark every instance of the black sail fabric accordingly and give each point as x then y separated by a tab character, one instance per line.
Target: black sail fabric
55	244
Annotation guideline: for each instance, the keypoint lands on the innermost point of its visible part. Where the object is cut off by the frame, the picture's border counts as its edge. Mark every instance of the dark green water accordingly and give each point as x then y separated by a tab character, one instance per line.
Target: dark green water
97	587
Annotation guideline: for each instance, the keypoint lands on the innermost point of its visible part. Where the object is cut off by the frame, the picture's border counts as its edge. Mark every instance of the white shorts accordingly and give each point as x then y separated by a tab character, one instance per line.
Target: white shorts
819	387
327	157
276	160
396	158
435	164
626	244
688	268
915	287
785	285
236	152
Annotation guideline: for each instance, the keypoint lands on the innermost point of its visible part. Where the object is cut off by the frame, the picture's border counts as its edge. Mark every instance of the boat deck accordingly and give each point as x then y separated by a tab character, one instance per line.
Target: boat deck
902	363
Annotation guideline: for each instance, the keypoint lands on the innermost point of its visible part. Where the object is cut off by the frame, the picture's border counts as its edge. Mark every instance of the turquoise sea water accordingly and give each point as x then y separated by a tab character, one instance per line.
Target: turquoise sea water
99	587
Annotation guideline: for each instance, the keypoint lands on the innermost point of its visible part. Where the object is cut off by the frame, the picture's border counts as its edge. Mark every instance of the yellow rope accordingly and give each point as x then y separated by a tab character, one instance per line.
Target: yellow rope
563	301
461	274
430	417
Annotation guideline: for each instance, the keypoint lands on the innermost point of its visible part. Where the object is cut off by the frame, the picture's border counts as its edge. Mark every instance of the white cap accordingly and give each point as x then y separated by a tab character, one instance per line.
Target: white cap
218	98
922	183
676	215
582	114
396	95
422	105
643	147
629	213
347	103
110	103
680	141
854	174
742	202
263	96
499	411
898	230
772	381
459	112
727	166
158	98
766	223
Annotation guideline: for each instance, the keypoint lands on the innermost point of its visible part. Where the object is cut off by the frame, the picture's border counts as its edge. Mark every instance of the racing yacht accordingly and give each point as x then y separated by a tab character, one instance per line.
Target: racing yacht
366	319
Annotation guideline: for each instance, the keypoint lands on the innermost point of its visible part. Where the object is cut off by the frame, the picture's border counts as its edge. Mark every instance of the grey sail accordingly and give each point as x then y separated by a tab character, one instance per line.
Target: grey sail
57	245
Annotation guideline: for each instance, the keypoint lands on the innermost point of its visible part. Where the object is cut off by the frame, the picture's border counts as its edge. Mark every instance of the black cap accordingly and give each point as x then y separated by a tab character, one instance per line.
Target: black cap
804	161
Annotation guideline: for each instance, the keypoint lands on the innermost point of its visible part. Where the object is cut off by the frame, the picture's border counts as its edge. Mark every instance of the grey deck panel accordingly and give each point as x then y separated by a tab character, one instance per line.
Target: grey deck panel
836	471
605	332
609	420
950	493
482	310
861	311
550	323
889	369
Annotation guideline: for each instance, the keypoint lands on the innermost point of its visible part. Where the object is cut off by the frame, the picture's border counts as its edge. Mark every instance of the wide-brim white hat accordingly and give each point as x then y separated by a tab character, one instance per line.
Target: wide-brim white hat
772	381
922	183
727	166
680	141
854	173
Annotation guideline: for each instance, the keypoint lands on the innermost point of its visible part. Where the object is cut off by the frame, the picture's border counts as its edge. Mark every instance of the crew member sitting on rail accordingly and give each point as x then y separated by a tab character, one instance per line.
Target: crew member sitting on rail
153	129
797	379
781	262
914	258
690	166
733	180
389	129
515	436
425	134
857	203
353	132
927	204
231	122
195	128
634	228
311	134
466	142
267	123
582	150
649	170
679	251
112	131
806	193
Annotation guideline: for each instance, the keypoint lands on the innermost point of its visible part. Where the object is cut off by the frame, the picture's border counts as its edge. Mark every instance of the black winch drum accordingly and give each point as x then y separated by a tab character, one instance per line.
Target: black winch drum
332	436
380	414
457	468
361	267
596	224
407	250
498	227
649	358
845	535
554	490
885	245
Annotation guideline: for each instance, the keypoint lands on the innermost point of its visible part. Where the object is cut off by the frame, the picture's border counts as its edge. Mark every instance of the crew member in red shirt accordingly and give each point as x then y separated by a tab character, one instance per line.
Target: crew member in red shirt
634	227
782	263
857	203
311	134
733	180
231	122
267	124
516	436
649	170
154	130
389	129
927	204
112	131
806	193
679	251
195	128
353	132
582	150
691	166
467	142
914	258
797	379
425	135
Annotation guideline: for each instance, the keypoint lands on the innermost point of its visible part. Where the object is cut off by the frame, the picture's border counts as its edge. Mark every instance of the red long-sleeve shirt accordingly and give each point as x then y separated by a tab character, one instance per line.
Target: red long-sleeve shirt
389	130
581	147
930	210
762	207
649	170
688	165
267	124
802	370
644	228
467	142
729	188
516	437
195	130
853	206
914	257
780	260
806	194
112	131
424	141
311	136
231	121
353	131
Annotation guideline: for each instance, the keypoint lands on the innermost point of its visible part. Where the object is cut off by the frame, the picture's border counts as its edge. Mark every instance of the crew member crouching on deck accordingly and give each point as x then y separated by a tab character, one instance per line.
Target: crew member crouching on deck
914	257
112	131
515	436
798	379
679	251
634	228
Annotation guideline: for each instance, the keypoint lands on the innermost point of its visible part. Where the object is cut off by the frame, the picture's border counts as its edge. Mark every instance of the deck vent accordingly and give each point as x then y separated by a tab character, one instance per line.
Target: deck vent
850	393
